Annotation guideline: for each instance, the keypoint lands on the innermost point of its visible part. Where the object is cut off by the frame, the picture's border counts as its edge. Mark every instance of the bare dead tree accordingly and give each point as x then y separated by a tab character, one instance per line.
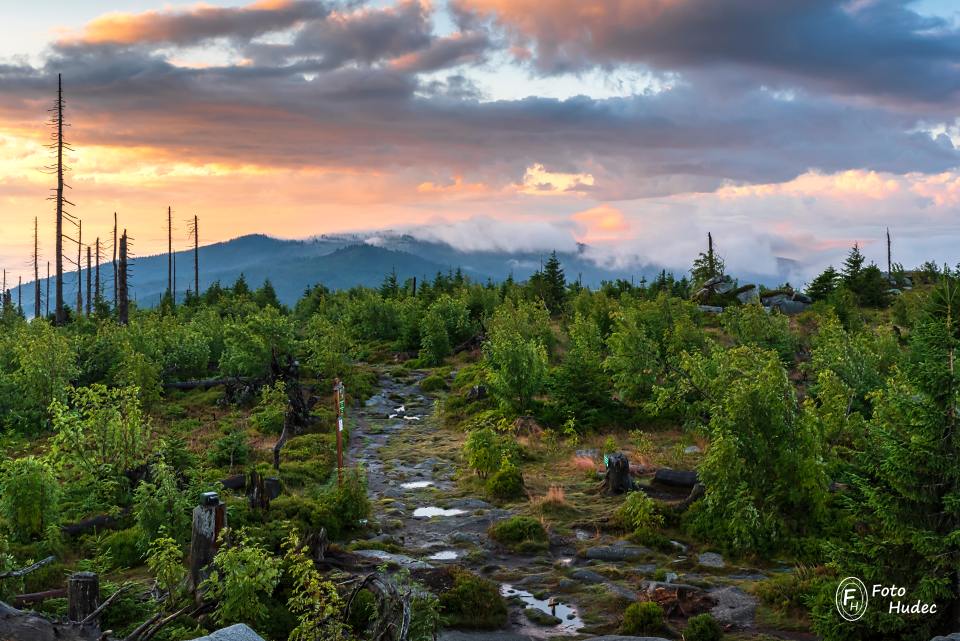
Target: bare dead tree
48	290
169	250
98	293
89	292
36	268
114	260
123	311
20	294
79	270
195	232
58	144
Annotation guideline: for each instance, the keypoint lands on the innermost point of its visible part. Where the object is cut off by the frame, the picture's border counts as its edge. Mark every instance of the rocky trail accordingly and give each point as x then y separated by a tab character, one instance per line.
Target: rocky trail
580	586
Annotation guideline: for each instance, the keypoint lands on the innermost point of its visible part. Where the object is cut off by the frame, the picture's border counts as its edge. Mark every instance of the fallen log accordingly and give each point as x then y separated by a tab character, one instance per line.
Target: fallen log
676	478
27	626
207	383
235	482
99	522
15	574
21	600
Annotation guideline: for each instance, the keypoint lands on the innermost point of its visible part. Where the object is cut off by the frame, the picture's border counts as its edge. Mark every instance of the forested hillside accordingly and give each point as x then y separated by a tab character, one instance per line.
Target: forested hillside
533	456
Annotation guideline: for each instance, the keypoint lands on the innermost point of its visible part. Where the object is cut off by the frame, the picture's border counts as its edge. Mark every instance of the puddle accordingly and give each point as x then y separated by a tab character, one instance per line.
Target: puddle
416	485
444	555
569	619
432	511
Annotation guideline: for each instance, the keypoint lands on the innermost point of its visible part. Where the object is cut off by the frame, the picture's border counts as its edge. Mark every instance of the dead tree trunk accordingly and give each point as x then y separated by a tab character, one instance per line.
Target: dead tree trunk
257	493
36	269
116	290
618	480
98	292
169	251
47	299
196	256
58	106
209	519
79	265
89	284
123	310
83	595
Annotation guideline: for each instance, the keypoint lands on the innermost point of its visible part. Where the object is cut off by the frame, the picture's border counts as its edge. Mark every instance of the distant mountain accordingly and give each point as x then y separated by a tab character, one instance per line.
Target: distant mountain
337	261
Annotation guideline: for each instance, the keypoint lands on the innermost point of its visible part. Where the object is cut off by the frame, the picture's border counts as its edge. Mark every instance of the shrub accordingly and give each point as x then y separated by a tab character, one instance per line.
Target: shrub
506	483
272	408
482	450
159	504
702	627
644	617
231	449
29	497
433	383
123	548
520	534
245	575
638	512
349	500
362	611
473	602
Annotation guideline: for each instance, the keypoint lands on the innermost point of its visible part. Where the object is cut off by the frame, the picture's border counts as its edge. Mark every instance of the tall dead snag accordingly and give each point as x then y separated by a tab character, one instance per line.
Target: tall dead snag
20	294
58	144
209	519
79	270
89	270
98	293
123	305
169	250
36	269
115	289
47	299
195	232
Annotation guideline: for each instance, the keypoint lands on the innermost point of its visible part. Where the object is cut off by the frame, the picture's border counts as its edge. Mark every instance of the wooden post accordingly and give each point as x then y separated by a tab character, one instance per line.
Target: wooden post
338	396
83	595
209	519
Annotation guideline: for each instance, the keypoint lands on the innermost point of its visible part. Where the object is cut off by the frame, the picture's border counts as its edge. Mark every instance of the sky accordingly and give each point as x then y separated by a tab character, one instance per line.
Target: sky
788	129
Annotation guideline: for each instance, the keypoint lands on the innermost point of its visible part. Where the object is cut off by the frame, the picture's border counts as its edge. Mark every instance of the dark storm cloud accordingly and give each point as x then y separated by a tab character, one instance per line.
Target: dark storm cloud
350	89
878	48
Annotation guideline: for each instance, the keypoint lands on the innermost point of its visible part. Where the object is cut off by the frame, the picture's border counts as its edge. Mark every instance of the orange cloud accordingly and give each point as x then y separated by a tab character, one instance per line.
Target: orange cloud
602	223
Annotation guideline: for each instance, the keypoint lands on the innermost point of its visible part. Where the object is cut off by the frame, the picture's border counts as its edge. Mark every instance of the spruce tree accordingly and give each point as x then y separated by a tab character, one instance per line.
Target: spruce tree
823	285
554	284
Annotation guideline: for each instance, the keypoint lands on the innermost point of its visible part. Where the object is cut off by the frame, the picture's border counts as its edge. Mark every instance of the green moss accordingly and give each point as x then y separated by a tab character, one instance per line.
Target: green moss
521	534
433	383
124	547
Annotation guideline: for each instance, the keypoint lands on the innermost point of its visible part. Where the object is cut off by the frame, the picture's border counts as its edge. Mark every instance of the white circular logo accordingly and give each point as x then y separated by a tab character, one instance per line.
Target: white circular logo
851	598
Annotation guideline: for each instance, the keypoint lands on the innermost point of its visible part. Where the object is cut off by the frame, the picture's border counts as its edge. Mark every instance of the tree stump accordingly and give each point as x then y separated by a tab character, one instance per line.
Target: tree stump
83	595
257	493
617	480
209	519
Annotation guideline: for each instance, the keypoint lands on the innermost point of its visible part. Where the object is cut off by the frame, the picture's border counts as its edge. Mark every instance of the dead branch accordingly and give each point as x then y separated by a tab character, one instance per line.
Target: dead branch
13	574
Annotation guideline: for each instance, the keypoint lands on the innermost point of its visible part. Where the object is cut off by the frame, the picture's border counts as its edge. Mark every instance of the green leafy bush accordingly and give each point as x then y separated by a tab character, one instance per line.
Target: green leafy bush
362	611
639	511
231	449
124	548
520	533
644	617
159	504
702	627
433	383
244	576
29	497
473	603
485	450
506	483
268	417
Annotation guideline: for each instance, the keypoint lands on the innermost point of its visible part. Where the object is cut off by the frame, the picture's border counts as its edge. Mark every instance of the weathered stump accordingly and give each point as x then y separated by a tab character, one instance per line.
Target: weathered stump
83	595
617	480
257	493
209	519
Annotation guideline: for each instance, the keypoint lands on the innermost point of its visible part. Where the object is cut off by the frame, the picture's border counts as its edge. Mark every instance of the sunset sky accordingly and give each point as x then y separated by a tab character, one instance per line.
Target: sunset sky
788	128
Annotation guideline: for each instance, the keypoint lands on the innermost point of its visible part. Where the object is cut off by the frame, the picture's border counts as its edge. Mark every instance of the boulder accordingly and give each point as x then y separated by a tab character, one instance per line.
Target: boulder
711	560
587	576
618	551
238	632
747	294
734	606
955	636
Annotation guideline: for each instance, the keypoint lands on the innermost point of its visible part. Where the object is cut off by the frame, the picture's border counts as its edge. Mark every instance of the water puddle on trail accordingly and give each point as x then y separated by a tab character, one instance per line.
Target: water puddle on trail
570	620
444	555
416	485
432	511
